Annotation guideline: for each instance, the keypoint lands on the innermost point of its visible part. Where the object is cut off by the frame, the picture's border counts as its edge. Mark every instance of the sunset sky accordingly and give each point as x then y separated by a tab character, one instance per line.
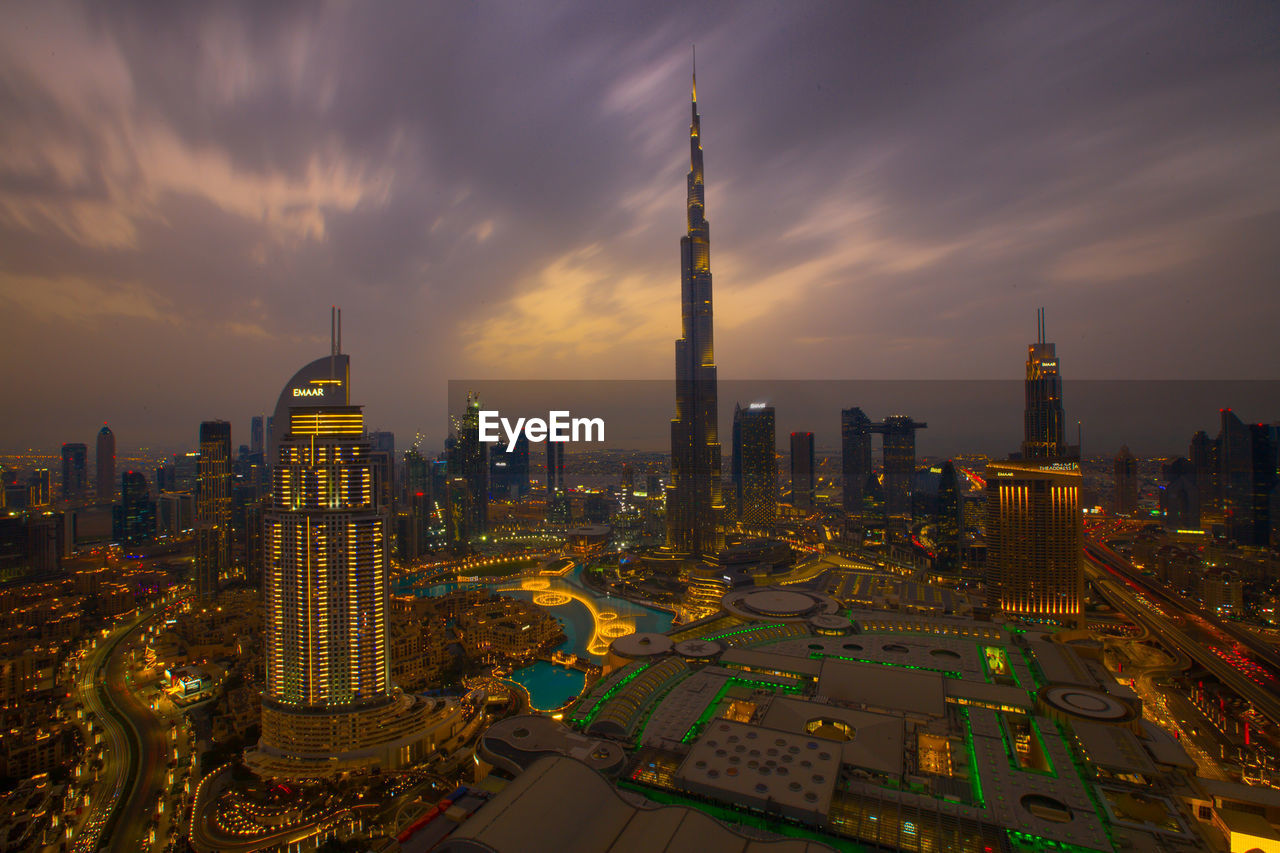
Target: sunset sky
496	191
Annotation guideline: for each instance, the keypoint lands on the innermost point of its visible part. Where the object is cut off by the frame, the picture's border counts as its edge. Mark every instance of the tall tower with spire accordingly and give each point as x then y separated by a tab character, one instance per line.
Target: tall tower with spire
1044	420
695	504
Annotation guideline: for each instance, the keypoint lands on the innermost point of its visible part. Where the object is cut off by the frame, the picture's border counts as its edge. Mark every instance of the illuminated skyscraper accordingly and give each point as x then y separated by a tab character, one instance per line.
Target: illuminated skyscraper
755	465
106	465
948	535
509	471
74	467
899	433
213	506
1125	498
1034	538
1043	437
329	706
803	470
695	506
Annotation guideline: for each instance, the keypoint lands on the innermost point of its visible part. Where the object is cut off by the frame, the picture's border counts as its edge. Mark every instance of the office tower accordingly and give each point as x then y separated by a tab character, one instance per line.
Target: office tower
626	480
755	465
855	458
329	706
695	505
412	534
1179	495
468	476
899	444
509	470
106	464
1125	498
1034	538
213	506
134	518
166	478
175	513
41	491
949	520
803	470
1044	418
74	484
256	435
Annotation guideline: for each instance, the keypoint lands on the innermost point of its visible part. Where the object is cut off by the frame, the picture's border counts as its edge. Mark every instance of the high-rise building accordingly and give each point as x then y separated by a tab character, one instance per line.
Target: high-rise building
256	435
1247	473
1044	419
41	491
755	466
1179	495
74	473
213	506
855	458
1034	538
899	448
134	518
329	706
803	470
383	449
1125	498
695	506
509	470
105	460
468	476
558	510
949	524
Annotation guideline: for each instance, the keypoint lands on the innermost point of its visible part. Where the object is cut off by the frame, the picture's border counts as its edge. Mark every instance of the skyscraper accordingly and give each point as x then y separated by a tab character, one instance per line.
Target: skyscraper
949	521
755	465
74	472
1125	499
899	433
256	435
133	520
329	706
855	458
468	476
106	465
1043	419
509	471
213	506
695	506
1034	538
803	470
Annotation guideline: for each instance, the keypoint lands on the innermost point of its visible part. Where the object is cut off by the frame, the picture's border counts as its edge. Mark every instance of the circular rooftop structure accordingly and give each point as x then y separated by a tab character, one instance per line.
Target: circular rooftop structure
699	649
791	605
641	644
1085	703
830	624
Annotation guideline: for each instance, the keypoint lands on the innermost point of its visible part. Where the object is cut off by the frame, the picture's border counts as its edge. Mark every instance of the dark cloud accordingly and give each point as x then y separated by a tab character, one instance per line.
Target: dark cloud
498	191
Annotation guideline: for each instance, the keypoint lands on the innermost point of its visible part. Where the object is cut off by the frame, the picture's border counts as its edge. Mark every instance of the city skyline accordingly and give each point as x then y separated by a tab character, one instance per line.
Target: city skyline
1143	172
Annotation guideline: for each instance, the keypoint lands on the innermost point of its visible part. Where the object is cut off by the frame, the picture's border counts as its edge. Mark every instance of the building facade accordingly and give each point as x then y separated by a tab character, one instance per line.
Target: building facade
803	470
74	472
105	462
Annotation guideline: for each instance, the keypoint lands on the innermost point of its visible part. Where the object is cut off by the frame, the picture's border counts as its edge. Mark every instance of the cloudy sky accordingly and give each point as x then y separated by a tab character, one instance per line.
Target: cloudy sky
496	191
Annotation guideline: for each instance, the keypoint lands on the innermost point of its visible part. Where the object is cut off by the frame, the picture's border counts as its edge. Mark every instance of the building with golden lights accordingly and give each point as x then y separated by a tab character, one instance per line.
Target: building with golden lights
1034	538
329	705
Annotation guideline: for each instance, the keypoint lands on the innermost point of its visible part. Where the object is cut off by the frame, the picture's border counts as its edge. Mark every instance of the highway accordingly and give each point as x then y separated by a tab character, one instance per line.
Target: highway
133	765
1218	653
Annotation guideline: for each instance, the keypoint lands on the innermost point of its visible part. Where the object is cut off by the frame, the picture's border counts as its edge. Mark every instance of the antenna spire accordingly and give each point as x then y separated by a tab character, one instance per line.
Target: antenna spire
695	74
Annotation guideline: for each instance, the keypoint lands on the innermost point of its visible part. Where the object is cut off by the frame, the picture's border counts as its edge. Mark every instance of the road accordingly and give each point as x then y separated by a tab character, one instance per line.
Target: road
134	763
1186	631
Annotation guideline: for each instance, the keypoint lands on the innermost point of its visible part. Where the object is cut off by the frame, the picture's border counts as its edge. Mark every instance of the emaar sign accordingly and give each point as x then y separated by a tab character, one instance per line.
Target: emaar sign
559	426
